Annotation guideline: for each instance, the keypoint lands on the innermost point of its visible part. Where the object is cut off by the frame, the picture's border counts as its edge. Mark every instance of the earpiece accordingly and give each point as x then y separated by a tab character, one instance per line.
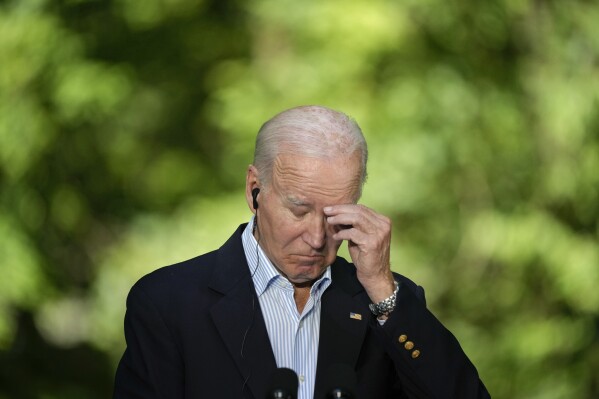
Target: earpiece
255	197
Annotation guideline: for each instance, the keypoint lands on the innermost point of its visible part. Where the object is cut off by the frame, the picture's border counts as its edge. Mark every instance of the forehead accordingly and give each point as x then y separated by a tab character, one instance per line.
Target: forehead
306	179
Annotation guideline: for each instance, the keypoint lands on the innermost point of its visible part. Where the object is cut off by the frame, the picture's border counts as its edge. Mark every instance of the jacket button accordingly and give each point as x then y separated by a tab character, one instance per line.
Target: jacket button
403	338
415	354
409	345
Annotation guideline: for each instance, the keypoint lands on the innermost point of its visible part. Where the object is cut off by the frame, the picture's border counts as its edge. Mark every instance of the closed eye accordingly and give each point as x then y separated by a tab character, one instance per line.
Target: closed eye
299	211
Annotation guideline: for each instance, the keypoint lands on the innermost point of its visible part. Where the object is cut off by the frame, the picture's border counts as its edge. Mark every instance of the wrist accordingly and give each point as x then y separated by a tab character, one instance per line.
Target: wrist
378	288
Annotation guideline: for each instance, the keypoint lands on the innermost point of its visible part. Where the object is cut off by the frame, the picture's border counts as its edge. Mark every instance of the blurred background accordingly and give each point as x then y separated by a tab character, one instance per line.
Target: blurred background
126	127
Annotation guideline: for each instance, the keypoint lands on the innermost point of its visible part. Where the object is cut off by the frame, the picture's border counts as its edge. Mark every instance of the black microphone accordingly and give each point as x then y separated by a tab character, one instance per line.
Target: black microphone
340	382
283	384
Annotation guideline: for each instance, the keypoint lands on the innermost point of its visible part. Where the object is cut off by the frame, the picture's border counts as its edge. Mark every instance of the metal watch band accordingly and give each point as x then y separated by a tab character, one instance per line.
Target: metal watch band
385	306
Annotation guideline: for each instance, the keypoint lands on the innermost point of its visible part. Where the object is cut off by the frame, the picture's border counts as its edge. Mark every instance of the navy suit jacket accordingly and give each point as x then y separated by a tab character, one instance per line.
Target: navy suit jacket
195	330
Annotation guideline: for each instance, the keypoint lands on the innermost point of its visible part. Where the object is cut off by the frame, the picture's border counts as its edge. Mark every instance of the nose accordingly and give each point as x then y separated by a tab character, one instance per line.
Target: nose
315	234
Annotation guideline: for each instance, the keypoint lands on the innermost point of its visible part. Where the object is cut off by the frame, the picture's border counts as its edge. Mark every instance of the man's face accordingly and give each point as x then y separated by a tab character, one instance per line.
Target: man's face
292	228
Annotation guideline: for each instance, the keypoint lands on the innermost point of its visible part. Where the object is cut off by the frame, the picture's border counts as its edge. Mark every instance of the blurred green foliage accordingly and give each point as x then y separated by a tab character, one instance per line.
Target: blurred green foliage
126	127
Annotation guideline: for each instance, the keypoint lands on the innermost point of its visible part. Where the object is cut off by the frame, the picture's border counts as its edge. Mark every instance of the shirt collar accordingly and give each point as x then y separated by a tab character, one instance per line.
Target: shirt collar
264	274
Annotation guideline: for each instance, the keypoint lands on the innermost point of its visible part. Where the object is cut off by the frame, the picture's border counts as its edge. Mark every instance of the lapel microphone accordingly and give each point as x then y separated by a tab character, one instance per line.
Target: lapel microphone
340	382
283	384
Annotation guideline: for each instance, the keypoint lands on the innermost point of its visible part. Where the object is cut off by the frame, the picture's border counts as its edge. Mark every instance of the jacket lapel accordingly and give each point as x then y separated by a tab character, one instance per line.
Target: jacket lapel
343	322
238	317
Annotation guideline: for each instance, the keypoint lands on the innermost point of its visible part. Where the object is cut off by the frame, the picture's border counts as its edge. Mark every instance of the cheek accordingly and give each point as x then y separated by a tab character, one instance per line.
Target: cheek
286	232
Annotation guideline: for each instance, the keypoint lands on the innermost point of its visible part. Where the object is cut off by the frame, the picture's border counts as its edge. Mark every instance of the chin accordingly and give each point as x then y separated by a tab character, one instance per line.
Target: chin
305	273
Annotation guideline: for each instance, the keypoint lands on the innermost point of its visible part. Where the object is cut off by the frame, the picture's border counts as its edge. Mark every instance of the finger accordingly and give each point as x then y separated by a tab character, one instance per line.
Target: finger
347	222
364	221
348	214
334	210
352	235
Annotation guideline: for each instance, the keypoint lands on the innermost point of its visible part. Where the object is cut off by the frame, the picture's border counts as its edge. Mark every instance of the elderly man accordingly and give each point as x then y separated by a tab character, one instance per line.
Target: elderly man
276	294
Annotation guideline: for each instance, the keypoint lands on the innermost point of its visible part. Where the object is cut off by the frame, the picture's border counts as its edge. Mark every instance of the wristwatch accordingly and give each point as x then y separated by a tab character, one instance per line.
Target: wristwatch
385	306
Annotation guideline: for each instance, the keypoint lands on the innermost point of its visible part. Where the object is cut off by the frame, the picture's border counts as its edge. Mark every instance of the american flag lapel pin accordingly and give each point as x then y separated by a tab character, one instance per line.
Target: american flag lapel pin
355	316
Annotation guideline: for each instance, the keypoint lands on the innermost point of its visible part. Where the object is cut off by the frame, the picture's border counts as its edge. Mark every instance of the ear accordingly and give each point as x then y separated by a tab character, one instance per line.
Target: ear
251	182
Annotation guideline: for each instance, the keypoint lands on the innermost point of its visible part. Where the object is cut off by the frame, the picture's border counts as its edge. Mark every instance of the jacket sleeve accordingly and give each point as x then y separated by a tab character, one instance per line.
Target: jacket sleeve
429	360
151	366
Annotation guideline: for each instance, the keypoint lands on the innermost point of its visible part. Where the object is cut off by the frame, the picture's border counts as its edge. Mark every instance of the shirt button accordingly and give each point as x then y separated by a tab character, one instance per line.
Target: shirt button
301	378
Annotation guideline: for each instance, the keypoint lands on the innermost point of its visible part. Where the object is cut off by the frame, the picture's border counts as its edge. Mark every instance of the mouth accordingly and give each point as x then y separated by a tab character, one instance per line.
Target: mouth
310	256
308	260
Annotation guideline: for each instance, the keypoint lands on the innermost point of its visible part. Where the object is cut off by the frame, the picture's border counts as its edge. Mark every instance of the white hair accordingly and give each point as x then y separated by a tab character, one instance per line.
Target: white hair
311	131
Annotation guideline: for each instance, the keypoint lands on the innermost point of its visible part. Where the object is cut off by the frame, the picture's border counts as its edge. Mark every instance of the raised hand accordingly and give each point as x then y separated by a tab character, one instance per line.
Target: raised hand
369	238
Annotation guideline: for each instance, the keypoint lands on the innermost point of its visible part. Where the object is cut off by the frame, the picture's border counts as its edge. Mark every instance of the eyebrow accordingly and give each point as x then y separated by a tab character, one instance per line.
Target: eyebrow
296	201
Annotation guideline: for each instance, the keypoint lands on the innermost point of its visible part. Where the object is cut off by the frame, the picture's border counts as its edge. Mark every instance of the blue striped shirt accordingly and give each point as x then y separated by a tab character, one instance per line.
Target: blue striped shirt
293	336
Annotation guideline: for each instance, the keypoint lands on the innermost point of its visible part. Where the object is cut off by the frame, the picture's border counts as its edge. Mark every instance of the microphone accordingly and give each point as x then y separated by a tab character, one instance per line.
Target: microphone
283	384
340	382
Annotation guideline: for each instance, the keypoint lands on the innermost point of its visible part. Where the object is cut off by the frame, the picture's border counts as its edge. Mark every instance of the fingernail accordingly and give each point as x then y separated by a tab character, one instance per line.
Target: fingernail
327	208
